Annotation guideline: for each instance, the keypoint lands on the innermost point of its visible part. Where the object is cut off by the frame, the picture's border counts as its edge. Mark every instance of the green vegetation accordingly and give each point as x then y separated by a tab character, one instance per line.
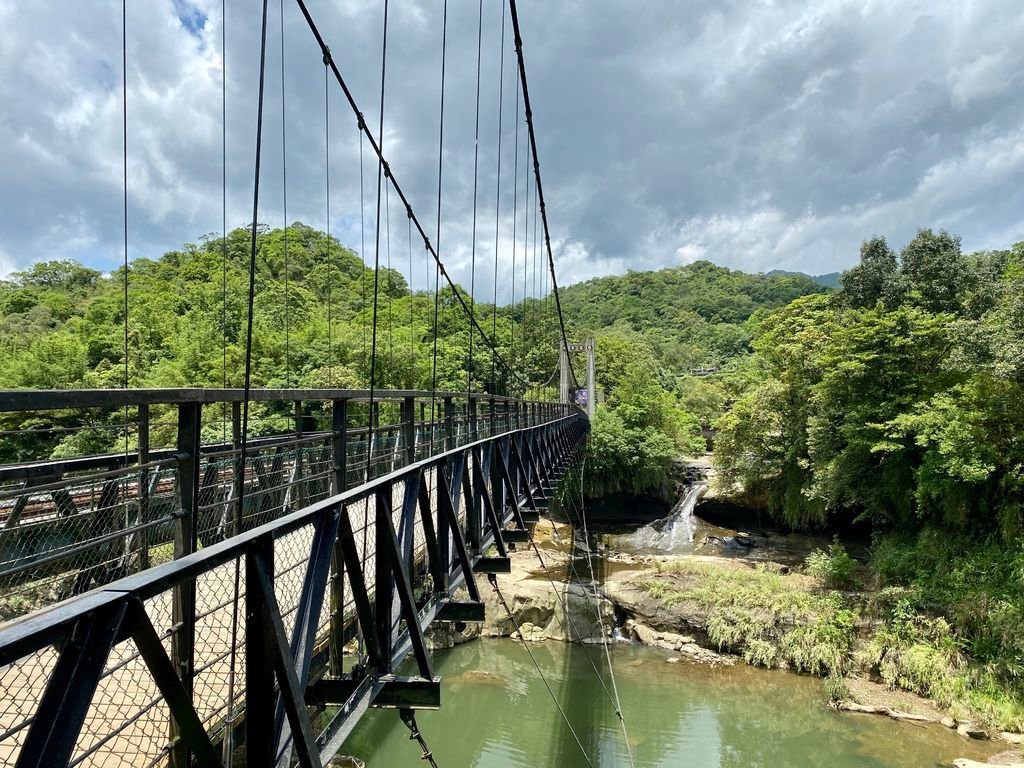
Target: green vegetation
653	330
61	326
898	402
773	620
691	316
833	566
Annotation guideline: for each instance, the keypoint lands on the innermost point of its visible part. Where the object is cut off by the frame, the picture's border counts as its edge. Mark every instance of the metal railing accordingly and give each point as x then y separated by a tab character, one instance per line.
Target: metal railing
71	524
195	600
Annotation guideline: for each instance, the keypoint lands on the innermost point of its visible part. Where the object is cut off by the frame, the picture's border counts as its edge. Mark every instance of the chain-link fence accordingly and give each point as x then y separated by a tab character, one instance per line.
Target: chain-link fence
72	528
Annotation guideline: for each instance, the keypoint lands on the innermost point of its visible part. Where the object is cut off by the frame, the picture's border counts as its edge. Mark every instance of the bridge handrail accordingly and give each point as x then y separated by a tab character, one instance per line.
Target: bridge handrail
13	400
158	578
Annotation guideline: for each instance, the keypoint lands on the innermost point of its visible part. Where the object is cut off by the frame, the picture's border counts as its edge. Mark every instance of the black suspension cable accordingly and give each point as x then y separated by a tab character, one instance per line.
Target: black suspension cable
457	295
515	234
362	240
476	166
412	308
437	264
124	189
330	260
536	308
497	198
247	383
224	211
501	599
376	255
124	200
388	285
536	171
526	252
284	193
228	742
408	717
124	177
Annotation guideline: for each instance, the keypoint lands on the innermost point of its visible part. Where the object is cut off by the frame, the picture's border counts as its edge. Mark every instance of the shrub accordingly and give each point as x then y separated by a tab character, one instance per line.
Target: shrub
834	567
835	688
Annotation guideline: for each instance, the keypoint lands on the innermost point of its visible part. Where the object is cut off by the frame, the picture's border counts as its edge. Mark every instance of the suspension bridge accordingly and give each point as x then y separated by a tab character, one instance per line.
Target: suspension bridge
228	592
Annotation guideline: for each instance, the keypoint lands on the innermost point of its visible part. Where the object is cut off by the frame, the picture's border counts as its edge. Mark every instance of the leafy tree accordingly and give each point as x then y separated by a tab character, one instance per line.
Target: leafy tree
872	279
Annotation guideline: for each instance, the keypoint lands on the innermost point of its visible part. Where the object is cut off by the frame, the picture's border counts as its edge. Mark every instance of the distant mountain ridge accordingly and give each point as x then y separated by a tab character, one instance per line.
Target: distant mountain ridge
693	316
829	279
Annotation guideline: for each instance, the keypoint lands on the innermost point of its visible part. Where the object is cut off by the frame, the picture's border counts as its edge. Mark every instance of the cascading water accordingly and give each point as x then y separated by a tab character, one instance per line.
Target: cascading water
678	528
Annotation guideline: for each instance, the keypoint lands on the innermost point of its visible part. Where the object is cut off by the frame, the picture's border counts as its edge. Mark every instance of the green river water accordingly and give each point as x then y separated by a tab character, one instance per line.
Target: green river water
497	713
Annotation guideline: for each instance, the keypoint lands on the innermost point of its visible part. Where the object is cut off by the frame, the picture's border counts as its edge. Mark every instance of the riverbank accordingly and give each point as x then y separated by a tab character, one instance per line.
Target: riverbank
721	609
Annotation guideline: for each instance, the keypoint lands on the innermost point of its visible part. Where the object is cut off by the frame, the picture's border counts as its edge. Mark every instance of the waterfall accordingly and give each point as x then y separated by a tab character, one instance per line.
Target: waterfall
677	528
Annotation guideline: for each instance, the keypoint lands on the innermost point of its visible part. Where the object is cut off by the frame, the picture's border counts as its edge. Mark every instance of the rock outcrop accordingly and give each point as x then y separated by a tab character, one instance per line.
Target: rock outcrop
545	609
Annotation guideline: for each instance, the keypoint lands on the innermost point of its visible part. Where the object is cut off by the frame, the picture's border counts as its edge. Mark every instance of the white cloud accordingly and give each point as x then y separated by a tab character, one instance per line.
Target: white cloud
757	135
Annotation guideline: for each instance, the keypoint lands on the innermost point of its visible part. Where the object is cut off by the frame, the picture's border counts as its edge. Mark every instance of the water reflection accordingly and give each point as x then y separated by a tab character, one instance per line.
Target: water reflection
497	713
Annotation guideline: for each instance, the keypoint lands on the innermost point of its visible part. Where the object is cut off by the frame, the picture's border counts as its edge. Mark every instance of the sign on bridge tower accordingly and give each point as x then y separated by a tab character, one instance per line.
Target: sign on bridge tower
584	397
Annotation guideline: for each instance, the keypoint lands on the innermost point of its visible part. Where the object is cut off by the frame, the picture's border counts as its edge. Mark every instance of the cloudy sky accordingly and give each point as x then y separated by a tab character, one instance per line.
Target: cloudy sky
758	134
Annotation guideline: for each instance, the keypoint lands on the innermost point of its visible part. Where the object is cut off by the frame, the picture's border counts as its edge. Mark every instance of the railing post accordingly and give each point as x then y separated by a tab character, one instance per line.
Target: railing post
339	480
183	609
259	671
143	485
374	426
409	429
339	444
423	438
471	407
492	407
296	493
449	424
238	476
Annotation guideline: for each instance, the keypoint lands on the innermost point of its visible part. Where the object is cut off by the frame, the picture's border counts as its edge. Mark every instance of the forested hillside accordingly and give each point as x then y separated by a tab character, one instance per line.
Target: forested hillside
898	403
62	324
693	316
658	334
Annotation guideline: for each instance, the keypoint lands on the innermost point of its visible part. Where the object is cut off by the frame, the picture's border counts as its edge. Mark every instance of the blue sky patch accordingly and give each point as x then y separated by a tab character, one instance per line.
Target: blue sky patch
191	17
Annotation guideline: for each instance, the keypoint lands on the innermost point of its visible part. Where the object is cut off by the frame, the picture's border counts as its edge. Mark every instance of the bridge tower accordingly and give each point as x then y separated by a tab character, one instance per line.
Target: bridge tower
563	361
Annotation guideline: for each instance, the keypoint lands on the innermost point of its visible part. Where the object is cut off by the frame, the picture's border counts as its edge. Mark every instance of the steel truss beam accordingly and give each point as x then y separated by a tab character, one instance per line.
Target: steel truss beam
484	495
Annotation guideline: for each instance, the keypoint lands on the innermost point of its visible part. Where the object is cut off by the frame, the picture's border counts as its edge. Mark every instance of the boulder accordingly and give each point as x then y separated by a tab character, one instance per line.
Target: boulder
972	730
558	611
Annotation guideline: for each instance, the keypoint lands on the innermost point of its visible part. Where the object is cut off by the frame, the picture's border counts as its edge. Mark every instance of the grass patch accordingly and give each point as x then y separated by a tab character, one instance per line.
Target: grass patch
771	619
944	621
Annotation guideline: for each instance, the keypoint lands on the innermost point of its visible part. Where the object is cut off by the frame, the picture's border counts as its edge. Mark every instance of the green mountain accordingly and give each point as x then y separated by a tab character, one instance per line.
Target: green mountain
829	279
693	316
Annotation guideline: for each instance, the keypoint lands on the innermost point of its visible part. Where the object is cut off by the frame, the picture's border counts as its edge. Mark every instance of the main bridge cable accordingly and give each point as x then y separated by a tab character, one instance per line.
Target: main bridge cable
381	170
476	176
437	270
364	130
536	173
247	383
493	579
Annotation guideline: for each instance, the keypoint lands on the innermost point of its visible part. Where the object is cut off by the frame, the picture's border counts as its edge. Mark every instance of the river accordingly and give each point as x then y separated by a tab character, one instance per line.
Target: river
497	713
